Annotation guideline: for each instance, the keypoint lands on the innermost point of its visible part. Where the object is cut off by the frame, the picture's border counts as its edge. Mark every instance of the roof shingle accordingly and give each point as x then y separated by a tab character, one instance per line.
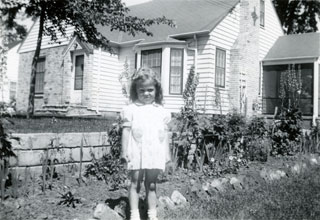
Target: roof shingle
190	16
295	46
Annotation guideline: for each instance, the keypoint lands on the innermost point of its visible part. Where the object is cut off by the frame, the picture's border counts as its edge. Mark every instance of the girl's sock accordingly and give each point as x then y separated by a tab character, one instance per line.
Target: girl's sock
134	214
152	214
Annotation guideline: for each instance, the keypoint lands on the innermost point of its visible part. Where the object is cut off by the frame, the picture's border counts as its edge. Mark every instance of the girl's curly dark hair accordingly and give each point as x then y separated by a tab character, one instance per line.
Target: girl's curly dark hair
143	74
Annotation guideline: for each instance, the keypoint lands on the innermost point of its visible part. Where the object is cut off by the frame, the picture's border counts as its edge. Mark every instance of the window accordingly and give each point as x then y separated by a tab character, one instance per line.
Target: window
176	71
78	75
271	88
262	11
152	59
39	83
220	67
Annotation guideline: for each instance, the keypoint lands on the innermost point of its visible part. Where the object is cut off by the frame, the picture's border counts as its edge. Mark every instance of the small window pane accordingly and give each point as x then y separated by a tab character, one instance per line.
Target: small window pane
262	12
152	59
220	68
176	71
78	76
39	77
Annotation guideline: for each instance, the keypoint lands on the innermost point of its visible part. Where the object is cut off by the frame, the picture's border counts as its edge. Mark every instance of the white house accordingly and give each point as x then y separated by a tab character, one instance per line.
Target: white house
225	41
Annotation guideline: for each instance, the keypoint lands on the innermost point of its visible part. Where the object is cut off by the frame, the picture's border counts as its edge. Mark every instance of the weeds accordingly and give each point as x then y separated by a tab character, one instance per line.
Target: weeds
68	199
110	167
6	152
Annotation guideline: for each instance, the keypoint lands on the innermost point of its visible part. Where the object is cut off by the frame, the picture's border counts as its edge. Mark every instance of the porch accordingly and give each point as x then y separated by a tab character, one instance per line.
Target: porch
296	57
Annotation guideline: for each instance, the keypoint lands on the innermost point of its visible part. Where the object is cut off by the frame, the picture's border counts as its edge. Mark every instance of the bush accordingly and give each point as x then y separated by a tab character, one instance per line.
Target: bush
110	167
286	132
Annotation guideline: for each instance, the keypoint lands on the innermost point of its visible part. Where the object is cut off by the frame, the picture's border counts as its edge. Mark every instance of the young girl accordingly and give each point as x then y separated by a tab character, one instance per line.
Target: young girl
145	144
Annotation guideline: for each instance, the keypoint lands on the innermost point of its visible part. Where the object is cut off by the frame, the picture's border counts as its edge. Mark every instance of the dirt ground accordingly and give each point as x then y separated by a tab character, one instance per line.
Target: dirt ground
33	204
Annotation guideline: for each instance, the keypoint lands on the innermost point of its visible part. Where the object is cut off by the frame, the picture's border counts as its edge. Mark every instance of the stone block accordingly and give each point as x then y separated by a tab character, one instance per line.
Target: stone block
103	212
178	199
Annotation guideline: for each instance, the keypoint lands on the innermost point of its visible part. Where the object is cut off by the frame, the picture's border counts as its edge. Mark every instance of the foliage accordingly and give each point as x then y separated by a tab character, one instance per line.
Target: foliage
286	132
110	167
190	88
215	144
298	16
6	152
290	87
257	141
69	200
55	16
287	128
124	78
7	109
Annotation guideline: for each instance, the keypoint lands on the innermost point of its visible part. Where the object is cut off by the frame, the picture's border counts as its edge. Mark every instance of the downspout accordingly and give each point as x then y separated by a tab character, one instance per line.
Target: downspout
99	79
195	49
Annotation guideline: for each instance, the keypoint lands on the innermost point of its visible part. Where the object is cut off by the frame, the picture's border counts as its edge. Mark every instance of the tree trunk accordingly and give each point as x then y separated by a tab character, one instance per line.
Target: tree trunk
30	110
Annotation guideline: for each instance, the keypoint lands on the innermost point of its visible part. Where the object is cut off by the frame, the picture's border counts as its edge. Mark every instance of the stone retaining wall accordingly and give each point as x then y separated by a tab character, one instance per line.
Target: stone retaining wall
64	148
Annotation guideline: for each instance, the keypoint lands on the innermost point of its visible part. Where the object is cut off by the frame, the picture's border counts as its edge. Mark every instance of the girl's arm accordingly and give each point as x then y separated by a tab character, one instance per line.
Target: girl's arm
168	150
124	142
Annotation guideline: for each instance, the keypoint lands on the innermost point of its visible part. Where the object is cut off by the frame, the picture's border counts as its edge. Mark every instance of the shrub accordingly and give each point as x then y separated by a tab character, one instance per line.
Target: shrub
110	167
6	152
257	142
286	132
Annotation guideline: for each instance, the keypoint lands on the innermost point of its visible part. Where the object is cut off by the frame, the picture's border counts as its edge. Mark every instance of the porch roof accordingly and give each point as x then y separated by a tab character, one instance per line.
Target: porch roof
295	46
190	17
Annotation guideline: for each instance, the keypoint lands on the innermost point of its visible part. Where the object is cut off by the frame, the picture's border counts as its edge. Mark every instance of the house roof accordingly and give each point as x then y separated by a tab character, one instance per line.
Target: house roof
190	16
13	44
296	46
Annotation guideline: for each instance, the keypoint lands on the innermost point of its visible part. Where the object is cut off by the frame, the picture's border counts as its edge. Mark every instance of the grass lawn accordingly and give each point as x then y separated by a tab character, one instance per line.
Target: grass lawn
58	125
295	197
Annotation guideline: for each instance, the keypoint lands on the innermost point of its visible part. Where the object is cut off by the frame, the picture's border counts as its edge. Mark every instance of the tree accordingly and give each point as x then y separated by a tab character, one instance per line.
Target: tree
298	16
56	15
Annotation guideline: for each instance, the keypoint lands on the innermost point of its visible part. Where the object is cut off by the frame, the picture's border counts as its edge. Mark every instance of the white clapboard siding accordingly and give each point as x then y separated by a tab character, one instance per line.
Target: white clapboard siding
30	42
271	31
223	36
106	86
173	103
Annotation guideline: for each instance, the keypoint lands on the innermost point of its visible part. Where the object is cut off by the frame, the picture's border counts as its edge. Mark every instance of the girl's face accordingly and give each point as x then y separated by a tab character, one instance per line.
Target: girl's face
146	91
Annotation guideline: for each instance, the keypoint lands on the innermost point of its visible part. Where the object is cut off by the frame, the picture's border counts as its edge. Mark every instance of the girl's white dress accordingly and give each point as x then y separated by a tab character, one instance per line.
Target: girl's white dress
148	146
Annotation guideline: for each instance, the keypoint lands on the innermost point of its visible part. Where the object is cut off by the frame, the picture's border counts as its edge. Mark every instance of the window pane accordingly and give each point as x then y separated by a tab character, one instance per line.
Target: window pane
78	78
220	68
262	11
39	77
176	71
152	59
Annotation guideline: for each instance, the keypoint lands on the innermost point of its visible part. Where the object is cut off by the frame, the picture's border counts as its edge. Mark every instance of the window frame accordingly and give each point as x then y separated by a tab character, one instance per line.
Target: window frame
81	76
224	68
170	68
36	86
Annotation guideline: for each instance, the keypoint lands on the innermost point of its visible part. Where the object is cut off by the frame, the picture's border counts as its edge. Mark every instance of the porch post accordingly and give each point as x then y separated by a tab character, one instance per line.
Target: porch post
315	92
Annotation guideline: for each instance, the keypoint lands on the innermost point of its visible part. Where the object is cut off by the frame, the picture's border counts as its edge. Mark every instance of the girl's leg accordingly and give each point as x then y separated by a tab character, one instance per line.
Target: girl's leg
136	176
151	176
